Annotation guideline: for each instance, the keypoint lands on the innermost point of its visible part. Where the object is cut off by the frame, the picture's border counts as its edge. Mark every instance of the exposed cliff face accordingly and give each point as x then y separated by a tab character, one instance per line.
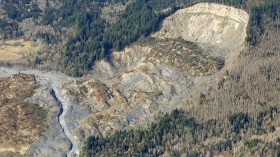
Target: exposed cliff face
218	27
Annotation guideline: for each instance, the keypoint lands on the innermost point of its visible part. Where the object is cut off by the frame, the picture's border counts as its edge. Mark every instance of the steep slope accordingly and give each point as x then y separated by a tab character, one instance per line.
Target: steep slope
218	28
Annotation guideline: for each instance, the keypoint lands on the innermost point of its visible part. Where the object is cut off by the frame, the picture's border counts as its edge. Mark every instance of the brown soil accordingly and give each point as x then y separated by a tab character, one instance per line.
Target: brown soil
21	122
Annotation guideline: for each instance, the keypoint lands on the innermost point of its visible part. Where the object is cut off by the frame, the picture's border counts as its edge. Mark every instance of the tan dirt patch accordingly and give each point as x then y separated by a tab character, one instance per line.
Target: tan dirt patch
11	50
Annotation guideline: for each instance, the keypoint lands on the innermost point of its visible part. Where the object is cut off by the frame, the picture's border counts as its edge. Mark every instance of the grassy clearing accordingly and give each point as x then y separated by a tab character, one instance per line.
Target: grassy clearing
11	50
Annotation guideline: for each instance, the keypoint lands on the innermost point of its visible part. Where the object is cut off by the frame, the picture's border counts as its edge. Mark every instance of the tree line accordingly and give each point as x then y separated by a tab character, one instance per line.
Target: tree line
93	38
179	130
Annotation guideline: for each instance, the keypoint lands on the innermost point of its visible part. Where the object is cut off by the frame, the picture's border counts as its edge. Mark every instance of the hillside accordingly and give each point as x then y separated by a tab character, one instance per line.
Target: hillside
217	28
231	113
73	35
148	76
155	78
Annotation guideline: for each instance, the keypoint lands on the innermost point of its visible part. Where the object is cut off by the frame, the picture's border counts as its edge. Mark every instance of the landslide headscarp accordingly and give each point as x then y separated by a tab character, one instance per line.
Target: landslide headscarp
218	28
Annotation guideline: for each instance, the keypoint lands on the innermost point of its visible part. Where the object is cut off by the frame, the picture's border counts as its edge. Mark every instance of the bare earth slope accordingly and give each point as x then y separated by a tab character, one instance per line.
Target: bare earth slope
155	74
151	75
219	27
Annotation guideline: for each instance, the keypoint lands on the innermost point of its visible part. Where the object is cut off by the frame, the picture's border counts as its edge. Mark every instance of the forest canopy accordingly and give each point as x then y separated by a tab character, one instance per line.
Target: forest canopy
179	130
93	38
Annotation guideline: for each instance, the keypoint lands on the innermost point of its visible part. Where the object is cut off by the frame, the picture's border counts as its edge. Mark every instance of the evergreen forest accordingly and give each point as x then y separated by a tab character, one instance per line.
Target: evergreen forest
81	36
